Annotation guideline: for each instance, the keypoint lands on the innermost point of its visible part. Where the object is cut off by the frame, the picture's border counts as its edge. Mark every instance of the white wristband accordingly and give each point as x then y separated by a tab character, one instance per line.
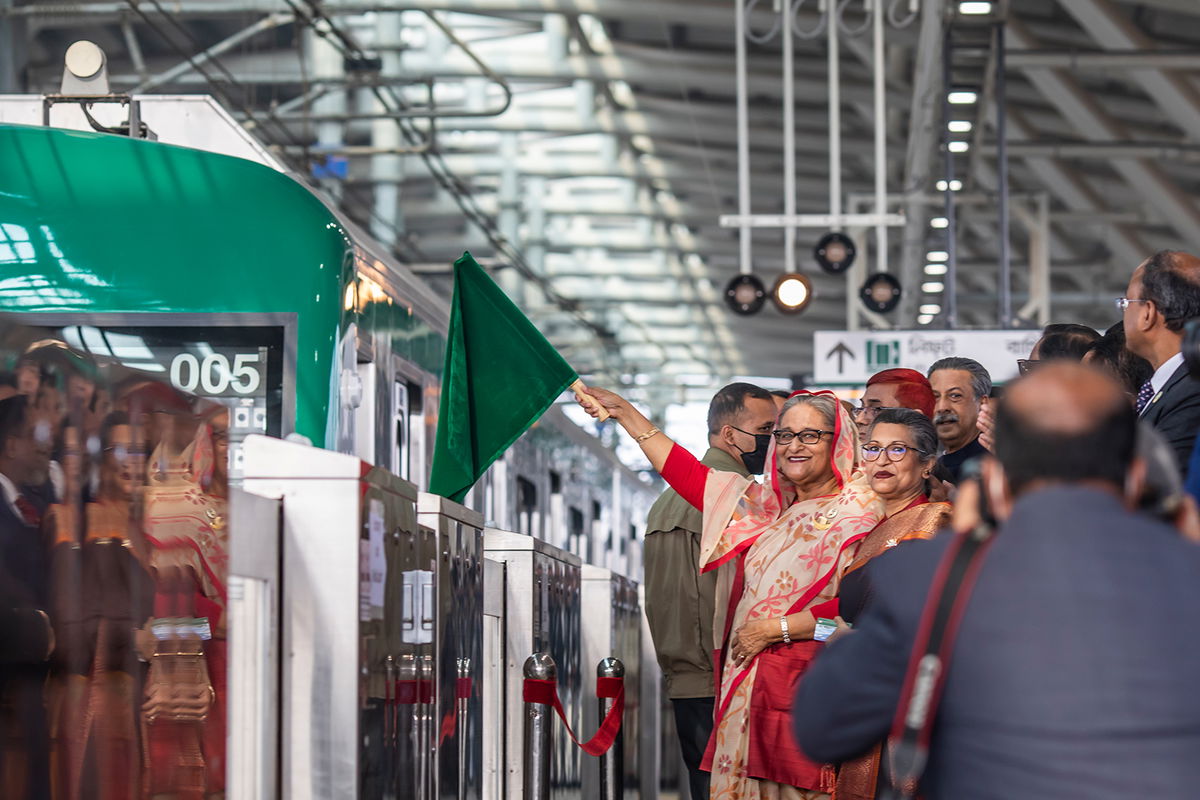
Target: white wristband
783	626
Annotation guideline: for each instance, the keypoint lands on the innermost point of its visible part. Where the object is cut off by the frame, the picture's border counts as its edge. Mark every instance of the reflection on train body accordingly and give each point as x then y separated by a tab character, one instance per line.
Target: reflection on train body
113	572
349	644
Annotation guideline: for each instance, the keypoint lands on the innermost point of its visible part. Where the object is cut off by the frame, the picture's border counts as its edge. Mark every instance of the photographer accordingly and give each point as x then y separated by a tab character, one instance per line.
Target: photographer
1072	673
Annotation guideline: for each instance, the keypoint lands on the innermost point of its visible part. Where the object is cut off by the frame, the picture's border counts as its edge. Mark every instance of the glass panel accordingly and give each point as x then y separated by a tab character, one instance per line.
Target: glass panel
114	557
239	367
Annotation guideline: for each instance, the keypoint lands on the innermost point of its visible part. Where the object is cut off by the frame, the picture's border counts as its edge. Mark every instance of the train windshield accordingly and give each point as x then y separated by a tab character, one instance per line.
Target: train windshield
241	365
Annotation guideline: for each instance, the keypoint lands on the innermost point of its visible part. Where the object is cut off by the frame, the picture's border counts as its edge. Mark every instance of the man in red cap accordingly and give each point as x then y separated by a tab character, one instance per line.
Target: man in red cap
894	388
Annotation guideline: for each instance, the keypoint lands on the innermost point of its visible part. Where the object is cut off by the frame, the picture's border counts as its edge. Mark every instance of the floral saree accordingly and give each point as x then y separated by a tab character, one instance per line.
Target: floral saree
786	556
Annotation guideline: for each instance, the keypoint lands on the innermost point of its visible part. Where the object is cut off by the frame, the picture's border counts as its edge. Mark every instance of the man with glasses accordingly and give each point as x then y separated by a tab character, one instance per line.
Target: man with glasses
1060	340
894	388
1163	294
679	600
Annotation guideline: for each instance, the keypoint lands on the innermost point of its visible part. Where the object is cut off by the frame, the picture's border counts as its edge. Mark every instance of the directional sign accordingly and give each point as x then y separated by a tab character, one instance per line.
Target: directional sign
840	351
851	357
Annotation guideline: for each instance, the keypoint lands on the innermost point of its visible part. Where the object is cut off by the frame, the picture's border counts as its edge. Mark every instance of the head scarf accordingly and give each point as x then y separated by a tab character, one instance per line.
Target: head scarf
842	452
744	509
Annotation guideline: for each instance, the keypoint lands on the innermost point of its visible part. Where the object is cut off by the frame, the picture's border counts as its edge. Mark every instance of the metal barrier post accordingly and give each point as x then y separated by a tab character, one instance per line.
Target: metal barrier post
538	721
612	763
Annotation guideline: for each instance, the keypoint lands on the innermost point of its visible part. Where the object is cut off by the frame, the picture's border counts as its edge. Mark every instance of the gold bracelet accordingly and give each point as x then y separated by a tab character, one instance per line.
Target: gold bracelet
646	435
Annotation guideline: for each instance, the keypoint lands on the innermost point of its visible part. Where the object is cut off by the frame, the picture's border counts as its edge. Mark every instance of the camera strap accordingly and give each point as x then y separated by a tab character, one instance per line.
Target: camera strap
908	743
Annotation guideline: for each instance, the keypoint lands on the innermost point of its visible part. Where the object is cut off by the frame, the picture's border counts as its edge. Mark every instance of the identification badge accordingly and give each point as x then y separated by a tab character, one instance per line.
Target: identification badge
181	628
825	628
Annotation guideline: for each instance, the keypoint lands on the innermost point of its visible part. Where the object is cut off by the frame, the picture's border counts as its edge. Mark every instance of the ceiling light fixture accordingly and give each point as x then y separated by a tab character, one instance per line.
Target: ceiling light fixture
975	7
835	253
880	293
792	292
745	295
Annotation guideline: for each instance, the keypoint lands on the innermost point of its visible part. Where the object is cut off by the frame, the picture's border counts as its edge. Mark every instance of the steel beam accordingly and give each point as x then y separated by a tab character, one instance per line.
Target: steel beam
1072	189
924	114
702	13
1116	59
14	51
1093	123
713	75
1172	93
564	122
267	23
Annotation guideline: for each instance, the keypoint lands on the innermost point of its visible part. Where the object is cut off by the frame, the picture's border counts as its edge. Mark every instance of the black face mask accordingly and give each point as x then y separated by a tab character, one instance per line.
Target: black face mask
756	459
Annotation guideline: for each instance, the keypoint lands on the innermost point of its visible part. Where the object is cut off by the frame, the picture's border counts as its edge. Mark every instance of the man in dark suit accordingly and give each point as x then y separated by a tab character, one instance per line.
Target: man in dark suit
24	598
1163	294
1074	670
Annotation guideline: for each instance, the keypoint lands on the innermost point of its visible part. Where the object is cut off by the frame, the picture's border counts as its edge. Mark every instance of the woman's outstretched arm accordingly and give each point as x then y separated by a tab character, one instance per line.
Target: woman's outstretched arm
678	467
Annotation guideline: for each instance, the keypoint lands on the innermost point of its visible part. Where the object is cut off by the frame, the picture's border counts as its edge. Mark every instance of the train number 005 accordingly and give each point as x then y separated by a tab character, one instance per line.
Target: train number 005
215	375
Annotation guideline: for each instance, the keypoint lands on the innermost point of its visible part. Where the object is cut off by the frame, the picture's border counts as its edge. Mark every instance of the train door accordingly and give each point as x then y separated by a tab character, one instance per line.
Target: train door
409	439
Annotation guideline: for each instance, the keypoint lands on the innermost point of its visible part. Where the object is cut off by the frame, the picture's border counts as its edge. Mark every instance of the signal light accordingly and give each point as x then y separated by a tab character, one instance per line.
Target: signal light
745	295
792	293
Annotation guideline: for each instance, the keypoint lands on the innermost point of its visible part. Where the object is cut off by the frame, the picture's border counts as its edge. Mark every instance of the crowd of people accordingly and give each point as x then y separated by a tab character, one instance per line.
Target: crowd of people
784	609
113	564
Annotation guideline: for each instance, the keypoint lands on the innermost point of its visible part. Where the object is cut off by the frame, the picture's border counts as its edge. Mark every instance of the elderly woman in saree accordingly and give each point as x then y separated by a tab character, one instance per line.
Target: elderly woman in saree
782	546
898	454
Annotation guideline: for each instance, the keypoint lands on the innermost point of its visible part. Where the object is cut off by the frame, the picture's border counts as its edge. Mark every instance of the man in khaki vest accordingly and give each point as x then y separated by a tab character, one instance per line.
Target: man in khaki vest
679	600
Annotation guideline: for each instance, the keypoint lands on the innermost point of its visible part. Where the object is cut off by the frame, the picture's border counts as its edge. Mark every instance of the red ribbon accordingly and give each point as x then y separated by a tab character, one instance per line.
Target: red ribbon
411	692
545	693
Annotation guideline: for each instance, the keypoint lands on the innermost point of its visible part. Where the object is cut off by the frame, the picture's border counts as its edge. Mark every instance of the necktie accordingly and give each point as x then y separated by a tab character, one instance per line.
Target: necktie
1144	396
29	511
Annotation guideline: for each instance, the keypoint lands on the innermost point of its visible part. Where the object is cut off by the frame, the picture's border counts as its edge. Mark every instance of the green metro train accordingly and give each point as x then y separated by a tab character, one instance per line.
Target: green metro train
238	283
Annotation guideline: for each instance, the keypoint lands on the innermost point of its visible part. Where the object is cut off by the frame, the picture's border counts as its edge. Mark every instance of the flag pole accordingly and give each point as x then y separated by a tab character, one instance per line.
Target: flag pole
582	395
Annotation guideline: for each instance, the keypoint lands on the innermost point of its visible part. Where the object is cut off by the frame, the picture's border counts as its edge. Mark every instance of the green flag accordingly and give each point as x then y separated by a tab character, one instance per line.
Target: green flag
500	376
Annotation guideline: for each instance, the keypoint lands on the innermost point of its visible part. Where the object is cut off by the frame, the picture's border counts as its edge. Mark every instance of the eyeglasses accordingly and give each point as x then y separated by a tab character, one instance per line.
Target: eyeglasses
870	412
808	436
1123	302
895	452
1027	365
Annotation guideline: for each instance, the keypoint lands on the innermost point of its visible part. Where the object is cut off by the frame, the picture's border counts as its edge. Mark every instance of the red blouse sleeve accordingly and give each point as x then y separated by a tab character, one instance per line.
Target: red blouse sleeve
828	609
686	475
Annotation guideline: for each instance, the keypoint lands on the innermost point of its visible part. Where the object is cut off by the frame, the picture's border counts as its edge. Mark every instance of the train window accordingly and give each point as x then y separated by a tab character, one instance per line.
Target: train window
242	366
578	542
414	460
526	506
366	446
400	438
